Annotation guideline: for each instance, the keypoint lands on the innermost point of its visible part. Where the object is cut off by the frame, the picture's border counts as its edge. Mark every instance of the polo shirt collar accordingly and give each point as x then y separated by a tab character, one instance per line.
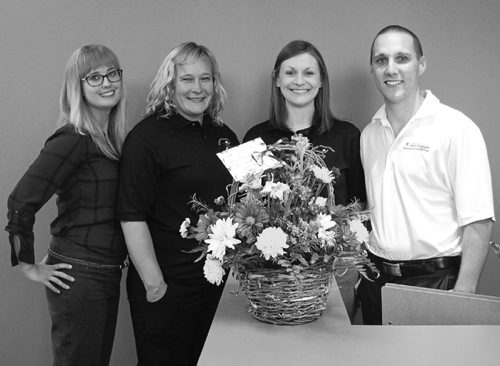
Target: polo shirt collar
381	116
178	121
429	107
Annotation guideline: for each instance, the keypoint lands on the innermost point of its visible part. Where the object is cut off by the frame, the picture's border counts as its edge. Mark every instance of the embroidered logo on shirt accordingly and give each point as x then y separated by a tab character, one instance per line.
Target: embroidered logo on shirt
414	146
224	142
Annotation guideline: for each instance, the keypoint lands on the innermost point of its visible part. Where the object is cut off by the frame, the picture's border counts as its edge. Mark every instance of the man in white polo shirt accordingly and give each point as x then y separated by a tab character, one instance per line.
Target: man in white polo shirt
428	181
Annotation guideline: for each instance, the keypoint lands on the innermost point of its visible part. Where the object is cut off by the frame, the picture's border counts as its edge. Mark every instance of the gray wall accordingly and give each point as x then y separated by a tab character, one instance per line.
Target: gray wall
460	38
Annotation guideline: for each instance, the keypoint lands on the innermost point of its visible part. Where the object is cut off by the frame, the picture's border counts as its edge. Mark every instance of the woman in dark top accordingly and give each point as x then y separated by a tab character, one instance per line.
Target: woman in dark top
167	157
79	163
300	103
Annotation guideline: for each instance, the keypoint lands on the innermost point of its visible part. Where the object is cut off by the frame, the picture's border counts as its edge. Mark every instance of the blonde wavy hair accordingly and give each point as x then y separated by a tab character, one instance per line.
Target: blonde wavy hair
161	94
75	109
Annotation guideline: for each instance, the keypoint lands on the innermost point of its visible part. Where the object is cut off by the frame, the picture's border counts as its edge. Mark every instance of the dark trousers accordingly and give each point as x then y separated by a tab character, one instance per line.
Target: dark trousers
370	292
172	331
84	317
346	282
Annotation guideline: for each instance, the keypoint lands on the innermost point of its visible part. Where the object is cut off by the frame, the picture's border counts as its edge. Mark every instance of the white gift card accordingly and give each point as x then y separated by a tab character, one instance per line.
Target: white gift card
248	158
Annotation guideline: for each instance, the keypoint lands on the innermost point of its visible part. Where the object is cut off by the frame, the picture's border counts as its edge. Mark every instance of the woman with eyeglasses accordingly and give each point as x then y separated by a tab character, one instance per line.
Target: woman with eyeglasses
78	163
300	103
167	157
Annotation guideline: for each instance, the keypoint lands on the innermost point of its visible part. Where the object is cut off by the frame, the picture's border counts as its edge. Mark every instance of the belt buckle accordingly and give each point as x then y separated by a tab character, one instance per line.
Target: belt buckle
392	268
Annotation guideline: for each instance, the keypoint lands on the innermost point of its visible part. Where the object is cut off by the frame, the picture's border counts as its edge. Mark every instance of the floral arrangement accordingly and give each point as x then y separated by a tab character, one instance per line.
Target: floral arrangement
284	217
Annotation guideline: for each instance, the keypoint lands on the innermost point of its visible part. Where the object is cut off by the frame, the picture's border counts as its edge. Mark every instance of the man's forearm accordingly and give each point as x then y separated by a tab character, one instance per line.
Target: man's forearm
475	246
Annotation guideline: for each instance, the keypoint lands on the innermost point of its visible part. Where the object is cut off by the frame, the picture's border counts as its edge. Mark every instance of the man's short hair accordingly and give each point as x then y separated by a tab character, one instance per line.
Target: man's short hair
398	28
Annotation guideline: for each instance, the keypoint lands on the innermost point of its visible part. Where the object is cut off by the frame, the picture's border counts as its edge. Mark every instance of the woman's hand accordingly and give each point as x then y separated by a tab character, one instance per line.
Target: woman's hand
48	274
142	253
155	293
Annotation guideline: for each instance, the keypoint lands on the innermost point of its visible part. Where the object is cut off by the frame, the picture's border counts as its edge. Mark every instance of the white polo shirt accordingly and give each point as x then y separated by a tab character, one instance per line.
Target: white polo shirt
426	183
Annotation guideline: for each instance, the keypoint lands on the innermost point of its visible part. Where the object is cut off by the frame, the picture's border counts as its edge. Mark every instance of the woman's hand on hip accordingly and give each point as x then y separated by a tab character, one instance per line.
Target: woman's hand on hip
48	274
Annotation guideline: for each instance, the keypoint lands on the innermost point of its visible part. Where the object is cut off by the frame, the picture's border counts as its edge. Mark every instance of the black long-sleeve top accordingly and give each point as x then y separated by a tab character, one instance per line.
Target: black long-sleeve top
71	166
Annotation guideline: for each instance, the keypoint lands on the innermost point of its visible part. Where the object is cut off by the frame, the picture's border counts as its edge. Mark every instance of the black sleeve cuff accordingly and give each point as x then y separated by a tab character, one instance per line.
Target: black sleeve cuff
26	252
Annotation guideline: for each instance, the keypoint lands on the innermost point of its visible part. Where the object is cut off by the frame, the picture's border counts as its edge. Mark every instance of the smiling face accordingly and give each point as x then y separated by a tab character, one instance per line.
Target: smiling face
299	80
396	67
104	97
194	88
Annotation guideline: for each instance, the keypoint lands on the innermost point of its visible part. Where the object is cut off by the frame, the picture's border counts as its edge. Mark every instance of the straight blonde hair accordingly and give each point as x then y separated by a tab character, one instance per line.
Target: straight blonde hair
74	109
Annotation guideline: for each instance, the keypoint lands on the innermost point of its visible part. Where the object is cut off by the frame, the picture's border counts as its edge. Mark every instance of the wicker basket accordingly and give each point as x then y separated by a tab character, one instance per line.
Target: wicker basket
277	297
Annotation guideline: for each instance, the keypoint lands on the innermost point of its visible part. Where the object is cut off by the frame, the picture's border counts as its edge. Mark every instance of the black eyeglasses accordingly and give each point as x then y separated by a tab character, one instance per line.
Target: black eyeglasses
97	79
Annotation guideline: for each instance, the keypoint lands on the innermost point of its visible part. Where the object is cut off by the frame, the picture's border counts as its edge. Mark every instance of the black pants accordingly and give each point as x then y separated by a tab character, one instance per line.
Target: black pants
346	283
172	331
370	293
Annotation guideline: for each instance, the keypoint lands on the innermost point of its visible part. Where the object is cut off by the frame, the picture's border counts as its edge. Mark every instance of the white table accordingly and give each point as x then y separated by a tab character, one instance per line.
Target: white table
237	339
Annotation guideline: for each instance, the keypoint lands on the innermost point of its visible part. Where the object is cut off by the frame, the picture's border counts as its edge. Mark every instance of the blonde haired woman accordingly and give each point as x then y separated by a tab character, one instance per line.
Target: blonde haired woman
169	156
79	163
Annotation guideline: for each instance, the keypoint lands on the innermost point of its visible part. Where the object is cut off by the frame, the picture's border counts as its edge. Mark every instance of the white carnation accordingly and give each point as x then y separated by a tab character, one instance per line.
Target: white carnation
325	223
320	201
271	242
213	270
359	229
184	227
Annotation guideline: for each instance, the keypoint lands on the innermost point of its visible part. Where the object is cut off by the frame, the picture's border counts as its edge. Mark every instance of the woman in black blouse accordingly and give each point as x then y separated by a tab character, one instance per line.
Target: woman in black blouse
169	156
79	163
300	103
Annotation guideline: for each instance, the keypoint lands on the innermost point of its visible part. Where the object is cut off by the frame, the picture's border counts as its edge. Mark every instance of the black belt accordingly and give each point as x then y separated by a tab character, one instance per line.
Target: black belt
414	267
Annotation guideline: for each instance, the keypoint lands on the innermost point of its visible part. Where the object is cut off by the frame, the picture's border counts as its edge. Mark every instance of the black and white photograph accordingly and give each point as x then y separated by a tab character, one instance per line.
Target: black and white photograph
249	182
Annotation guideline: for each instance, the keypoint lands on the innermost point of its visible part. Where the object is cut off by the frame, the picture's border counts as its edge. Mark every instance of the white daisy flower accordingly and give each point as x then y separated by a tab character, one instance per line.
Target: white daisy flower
276	190
222	237
323	174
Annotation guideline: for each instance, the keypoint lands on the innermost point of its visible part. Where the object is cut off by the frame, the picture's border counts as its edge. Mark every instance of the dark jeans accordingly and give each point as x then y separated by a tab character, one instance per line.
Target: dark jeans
84	317
370	293
172	331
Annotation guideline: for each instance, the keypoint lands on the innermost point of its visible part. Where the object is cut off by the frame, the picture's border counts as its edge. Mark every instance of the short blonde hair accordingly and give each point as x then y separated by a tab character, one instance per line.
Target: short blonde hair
75	109
161	94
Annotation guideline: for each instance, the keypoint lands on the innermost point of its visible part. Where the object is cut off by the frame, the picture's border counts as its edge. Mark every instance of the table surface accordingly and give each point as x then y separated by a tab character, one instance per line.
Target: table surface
237	339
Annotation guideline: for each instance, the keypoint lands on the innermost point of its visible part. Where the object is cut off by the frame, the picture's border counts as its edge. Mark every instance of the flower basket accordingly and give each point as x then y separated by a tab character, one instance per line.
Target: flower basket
278	297
281	233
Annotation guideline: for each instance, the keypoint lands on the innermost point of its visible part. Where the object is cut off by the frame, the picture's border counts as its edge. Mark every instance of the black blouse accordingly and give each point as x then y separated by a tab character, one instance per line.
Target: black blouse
164	162
71	166
343	138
